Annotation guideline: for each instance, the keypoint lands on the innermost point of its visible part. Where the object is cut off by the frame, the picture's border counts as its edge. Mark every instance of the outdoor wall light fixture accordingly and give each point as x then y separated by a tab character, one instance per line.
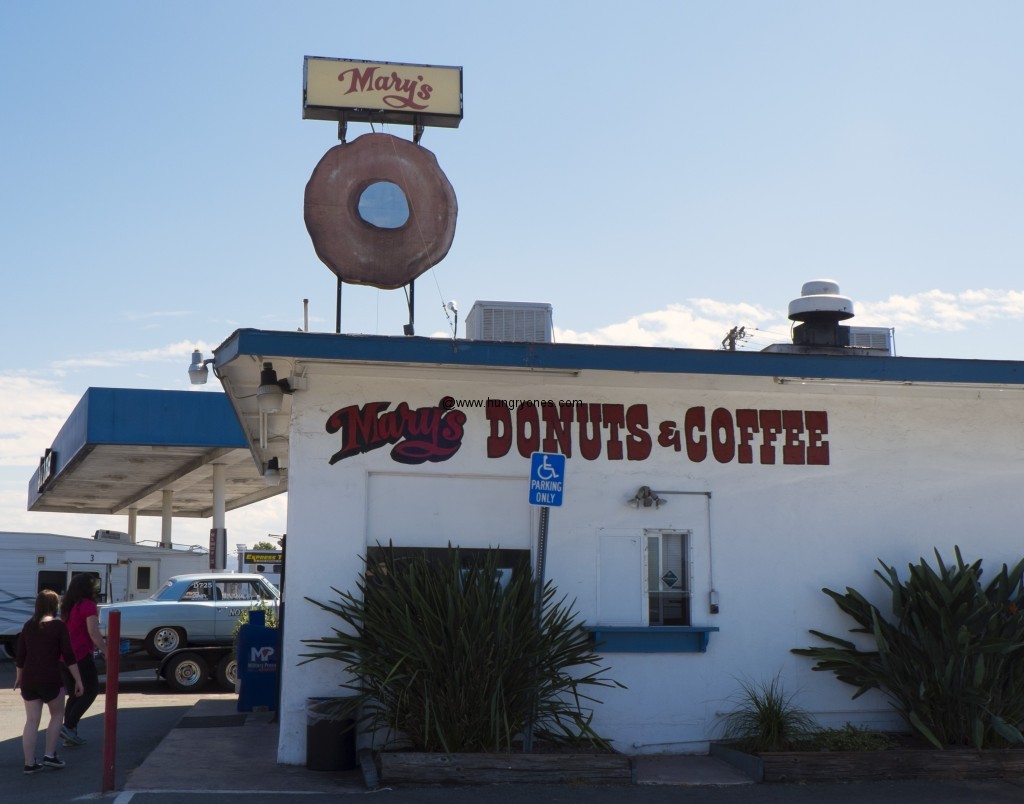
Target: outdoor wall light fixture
272	473
198	373
646	498
271	391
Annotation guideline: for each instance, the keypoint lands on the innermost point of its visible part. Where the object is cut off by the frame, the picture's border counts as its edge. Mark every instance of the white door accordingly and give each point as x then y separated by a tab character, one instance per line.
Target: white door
142	579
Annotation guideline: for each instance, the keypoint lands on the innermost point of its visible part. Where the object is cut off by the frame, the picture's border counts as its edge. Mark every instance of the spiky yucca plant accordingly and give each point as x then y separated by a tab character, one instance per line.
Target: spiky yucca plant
442	655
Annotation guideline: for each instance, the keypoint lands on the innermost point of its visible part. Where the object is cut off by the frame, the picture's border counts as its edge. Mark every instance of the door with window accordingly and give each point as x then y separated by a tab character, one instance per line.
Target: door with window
142	579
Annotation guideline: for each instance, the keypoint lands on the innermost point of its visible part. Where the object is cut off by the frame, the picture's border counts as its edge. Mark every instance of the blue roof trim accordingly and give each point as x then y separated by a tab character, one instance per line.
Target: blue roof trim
131	416
162	418
435	351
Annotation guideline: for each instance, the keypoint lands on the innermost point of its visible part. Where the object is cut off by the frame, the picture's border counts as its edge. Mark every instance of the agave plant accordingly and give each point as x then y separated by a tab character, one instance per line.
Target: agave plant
952	663
441	654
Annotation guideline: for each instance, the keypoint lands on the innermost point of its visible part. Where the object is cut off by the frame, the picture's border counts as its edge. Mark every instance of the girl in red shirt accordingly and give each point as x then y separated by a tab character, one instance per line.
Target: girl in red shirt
78	609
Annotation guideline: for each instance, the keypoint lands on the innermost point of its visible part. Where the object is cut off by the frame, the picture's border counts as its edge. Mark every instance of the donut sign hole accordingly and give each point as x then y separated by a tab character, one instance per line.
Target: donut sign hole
384	205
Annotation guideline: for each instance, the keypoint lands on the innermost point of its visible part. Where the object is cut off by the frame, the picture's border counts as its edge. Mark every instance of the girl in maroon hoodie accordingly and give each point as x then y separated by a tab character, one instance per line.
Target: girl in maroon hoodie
41	644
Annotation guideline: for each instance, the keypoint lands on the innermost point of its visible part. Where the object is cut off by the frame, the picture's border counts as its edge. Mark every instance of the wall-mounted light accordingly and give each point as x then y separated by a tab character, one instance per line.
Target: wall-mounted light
271	391
272	473
646	498
198	373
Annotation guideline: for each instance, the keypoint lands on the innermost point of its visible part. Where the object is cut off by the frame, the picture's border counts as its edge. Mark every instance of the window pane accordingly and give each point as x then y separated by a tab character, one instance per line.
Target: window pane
668	579
672	575
52	579
200	590
653	562
236	590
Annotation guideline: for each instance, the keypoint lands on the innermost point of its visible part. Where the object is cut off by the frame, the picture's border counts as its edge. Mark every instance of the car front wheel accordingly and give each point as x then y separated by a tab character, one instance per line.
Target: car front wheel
164	640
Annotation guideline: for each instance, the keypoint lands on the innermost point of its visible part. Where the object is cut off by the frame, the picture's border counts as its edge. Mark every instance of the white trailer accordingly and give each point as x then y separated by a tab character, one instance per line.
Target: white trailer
31	562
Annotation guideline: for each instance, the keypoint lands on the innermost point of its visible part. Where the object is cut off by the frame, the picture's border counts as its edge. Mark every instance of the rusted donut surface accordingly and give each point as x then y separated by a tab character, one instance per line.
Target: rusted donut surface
364	254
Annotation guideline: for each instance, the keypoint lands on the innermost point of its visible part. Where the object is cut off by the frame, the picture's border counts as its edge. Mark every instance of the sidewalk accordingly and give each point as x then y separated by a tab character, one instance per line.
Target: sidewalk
215	751
216	748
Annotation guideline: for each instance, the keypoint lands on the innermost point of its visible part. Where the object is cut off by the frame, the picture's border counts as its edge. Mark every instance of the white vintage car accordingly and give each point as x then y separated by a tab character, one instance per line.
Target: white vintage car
199	609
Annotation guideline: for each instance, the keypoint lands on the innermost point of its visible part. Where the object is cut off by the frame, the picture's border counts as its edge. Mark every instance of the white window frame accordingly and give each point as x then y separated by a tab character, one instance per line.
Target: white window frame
686	572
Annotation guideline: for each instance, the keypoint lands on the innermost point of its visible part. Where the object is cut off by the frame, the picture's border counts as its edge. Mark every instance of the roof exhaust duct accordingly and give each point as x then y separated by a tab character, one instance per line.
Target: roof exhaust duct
820	308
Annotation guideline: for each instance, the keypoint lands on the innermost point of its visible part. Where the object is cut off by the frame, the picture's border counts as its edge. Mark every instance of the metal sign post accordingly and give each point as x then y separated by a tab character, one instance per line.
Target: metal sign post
547	476
113	670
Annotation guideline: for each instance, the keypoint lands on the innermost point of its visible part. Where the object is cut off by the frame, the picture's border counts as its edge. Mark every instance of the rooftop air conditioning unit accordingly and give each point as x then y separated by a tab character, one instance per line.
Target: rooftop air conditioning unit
510	321
111	536
880	338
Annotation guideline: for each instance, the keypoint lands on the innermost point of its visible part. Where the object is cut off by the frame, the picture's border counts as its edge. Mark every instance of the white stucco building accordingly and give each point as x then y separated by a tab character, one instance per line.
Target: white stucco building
780	473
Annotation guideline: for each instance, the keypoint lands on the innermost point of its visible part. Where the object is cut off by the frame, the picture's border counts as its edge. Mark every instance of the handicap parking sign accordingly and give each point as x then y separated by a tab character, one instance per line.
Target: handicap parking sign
547	474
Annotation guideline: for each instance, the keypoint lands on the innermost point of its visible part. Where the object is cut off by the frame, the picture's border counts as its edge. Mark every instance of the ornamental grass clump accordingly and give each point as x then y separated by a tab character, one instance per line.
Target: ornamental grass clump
951	663
765	718
446	658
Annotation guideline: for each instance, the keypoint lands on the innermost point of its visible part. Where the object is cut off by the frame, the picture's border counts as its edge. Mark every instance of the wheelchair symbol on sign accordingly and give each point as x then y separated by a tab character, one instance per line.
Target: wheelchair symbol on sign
545	471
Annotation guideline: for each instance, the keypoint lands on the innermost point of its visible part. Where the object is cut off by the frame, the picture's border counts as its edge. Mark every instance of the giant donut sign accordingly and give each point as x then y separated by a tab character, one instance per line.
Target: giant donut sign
380	210
360	249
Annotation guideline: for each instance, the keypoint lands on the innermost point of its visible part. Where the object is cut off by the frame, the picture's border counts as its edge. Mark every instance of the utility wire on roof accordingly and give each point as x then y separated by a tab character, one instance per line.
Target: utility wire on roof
732	337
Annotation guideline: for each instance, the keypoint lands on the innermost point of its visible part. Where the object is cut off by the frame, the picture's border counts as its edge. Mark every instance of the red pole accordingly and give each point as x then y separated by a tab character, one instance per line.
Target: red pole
110	708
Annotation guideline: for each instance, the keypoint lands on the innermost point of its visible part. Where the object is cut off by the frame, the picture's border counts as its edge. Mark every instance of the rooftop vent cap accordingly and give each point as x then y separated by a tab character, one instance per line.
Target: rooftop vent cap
820	301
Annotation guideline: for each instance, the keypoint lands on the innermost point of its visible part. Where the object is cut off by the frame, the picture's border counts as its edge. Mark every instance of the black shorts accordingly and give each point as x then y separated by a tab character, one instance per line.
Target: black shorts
44	693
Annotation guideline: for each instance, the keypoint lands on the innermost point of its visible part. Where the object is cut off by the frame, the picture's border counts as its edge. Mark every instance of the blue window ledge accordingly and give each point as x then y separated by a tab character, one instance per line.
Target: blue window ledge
654	639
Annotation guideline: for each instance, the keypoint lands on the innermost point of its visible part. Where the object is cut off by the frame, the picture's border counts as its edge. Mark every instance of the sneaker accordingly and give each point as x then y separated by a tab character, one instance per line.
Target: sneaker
71	736
35	767
53	762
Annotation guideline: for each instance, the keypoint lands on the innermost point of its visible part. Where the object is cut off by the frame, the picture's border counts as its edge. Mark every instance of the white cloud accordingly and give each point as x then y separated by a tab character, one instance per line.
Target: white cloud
939	310
32	411
177	352
697	324
703	323
155	314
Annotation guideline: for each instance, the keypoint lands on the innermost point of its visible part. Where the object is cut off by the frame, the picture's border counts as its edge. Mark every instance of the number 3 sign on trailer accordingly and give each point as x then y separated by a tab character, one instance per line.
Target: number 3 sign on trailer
547	475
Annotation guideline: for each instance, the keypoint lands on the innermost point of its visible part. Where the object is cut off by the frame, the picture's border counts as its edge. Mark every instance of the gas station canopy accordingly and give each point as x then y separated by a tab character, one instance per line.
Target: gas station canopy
120	449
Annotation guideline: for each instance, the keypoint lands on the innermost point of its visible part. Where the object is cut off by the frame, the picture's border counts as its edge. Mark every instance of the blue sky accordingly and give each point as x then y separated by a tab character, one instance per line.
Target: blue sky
657	172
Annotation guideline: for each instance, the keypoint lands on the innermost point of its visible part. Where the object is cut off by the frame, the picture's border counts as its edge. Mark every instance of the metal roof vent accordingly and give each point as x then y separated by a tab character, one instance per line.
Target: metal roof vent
524	322
877	339
820	308
820	301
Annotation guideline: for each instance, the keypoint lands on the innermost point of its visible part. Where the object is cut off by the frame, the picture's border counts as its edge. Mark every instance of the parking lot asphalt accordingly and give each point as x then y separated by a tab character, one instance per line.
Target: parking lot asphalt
197	747
147	712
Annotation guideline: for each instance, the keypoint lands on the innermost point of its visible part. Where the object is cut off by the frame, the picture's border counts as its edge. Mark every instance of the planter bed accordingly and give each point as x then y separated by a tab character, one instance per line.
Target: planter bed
862	766
411	767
